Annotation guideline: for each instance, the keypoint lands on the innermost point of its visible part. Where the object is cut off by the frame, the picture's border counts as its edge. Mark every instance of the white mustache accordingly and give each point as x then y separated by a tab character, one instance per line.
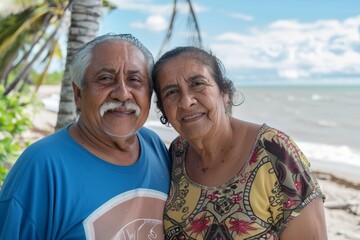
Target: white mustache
115	105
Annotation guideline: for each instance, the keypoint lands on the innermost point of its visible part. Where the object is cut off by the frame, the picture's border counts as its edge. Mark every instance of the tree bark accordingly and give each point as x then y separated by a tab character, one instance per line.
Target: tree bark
84	26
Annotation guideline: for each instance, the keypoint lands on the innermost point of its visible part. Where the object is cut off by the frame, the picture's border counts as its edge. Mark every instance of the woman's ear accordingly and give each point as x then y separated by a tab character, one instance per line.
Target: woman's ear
77	96
225	97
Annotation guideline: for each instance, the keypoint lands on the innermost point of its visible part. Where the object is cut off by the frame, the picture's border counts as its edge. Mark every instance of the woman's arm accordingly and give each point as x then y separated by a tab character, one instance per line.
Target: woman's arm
310	224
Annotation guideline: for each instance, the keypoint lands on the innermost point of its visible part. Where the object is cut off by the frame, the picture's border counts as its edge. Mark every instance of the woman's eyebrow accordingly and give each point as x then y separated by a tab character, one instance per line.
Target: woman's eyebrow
194	77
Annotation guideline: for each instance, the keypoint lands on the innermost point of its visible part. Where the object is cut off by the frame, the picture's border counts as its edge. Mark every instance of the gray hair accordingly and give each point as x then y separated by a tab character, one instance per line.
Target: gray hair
82	57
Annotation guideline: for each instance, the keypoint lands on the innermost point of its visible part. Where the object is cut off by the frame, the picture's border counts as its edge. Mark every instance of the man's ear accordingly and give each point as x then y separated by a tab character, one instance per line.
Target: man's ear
77	96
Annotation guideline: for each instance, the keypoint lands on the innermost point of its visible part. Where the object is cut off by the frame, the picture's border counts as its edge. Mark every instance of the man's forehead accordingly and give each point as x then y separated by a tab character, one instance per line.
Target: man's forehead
119	43
118	50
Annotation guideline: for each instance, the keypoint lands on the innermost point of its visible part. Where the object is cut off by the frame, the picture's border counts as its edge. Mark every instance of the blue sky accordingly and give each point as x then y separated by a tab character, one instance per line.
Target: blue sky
258	41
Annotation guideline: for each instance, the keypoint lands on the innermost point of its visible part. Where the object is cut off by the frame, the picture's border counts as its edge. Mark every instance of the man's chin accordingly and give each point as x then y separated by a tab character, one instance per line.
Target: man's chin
120	134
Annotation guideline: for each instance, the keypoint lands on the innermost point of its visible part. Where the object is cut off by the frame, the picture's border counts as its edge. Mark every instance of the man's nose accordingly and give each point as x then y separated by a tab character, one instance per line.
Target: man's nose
121	91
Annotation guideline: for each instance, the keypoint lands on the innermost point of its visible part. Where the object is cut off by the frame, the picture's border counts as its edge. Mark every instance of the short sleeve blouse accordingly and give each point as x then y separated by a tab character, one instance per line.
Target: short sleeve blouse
271	189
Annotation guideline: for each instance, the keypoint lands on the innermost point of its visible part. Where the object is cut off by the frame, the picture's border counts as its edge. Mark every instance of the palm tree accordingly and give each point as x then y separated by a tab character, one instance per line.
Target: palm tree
83	28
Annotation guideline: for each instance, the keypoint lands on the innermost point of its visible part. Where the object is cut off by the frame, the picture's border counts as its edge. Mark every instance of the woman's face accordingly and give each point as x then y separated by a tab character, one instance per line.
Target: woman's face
191	99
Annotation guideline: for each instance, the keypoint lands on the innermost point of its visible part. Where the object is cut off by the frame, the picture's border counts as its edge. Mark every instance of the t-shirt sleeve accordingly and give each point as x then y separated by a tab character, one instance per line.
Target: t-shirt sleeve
14	222
297	185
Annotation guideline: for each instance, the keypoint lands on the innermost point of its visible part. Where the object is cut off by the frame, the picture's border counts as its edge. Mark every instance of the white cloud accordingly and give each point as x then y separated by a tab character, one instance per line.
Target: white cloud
151	7
295	49
241	16
158	13
142	6
155	23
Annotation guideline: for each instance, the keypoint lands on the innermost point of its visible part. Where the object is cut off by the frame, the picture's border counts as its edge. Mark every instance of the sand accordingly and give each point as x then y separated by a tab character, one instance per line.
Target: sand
342	206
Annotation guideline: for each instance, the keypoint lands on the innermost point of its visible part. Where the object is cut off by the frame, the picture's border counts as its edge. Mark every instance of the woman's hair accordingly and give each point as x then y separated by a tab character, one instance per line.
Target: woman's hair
207	58
81	59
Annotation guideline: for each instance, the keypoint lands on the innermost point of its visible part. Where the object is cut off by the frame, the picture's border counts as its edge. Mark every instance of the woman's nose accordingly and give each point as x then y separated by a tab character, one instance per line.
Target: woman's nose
186	100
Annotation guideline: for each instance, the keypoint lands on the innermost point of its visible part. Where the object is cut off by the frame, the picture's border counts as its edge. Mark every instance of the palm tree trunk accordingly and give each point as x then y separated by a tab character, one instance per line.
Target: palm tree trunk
85	17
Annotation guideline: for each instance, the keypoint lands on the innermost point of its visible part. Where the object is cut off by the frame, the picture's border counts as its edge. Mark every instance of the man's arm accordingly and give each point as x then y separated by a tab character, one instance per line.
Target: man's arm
14	222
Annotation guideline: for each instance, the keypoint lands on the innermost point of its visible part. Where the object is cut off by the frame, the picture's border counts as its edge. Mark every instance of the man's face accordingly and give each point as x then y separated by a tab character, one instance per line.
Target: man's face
115	98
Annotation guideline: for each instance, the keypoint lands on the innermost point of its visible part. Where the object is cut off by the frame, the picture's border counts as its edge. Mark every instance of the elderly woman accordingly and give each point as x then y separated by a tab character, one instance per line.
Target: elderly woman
231	179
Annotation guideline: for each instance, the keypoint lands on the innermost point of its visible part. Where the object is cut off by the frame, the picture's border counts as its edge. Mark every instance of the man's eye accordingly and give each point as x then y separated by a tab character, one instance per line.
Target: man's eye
135	79
106	78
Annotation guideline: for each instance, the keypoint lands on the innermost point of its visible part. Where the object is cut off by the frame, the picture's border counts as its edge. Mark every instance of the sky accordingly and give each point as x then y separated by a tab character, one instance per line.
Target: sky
262	41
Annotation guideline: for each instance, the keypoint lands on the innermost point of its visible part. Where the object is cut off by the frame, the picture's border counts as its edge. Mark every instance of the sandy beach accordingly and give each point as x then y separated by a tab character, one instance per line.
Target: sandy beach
342	190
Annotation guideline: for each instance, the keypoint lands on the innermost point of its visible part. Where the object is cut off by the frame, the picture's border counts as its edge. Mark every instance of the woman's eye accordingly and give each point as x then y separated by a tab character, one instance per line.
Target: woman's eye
169	93
198	84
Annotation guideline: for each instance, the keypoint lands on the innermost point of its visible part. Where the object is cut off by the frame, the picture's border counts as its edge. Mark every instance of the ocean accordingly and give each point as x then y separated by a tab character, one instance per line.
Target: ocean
323	120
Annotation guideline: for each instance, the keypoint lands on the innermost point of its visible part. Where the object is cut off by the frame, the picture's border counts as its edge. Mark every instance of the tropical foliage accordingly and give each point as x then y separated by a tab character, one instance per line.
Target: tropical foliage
14	120
29	41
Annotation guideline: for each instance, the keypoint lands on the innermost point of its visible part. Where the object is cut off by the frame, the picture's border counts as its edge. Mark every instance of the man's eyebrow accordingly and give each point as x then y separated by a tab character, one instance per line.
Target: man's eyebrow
132	71
106	69
113	70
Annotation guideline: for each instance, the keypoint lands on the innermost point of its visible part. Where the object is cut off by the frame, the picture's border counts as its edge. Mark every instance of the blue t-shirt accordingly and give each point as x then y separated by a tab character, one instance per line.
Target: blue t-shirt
59	190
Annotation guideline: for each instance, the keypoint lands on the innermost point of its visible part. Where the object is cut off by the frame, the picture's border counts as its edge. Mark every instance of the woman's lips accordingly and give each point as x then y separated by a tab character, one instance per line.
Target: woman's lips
192	117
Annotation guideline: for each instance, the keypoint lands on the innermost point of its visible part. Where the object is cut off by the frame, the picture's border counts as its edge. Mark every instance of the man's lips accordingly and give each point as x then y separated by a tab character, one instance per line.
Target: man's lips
121	111
123	108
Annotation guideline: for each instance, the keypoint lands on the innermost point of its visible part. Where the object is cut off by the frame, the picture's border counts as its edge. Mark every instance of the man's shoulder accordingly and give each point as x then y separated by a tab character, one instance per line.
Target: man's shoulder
150	138
57	143
53	140
149	133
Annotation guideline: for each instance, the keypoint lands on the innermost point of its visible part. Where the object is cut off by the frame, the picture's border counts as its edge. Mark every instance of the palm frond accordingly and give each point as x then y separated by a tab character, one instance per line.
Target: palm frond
169	30
193	27
194	23
24	21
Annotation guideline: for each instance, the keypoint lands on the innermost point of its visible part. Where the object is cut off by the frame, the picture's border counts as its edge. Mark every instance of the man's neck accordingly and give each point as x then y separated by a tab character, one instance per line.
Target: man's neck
120	151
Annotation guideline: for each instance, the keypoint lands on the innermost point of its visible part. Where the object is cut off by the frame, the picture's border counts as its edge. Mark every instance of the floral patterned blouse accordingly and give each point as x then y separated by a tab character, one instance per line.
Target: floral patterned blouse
271	189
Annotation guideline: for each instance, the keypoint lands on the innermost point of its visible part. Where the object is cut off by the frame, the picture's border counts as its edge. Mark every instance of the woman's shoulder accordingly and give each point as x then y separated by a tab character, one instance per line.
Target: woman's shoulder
178	145
280	144
272	134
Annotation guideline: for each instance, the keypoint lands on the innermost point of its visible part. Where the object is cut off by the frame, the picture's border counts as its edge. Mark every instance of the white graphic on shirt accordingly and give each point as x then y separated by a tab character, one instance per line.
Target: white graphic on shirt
132	215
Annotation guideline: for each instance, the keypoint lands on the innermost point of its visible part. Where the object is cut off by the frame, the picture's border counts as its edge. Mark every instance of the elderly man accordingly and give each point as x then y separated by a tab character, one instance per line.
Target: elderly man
105	176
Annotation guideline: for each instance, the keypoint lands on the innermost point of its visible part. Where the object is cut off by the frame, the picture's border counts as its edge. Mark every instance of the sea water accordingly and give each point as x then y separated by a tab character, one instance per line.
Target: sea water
323	120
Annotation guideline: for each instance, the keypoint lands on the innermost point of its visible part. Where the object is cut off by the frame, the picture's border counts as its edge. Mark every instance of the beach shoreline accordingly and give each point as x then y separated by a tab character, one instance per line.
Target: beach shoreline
339	183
